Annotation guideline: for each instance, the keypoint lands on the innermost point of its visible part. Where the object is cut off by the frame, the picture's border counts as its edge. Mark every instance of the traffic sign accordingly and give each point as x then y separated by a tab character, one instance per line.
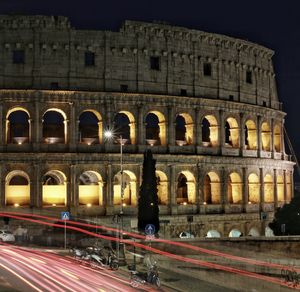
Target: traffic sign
150	229
65	215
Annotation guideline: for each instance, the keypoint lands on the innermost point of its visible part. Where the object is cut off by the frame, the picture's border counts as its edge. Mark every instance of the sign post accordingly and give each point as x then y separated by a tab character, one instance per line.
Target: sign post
65	216
149	231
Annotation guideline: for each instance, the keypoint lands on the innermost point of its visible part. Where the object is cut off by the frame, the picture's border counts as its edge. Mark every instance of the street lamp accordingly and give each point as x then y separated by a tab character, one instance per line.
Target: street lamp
121	250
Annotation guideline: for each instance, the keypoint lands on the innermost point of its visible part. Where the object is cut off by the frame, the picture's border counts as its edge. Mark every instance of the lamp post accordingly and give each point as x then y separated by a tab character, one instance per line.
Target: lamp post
121	246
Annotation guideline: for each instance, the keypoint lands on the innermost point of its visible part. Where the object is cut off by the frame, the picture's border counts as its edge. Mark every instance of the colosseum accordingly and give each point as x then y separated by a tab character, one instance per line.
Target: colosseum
205	104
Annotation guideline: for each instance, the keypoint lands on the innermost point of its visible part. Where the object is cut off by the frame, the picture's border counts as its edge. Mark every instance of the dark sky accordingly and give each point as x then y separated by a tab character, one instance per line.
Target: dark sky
272	24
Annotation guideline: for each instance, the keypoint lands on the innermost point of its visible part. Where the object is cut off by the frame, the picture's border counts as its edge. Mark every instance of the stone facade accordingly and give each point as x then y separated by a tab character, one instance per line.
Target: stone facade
205	104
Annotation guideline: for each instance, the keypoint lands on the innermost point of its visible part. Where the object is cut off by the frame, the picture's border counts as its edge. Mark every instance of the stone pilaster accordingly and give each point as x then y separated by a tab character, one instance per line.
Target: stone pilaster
222	129
72	127
198	128
245	189
171	126
141	126
275	189
262	187
38	186
259	133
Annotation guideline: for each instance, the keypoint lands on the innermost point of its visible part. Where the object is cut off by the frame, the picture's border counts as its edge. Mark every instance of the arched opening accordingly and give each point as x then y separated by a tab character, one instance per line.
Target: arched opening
186	190
129	188
232	133
54	126
280	188
212	189
18	127
268	189
234	189
213	234
124	125
17	189
269	232
162	187
266	136
90	127
253	188
250	135
155	128
253	232
90	189
277	138
209	131
184	129
54	188
235	233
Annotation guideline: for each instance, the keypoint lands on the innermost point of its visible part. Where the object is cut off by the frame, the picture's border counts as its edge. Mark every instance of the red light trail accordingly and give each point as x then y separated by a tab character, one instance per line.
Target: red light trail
157	251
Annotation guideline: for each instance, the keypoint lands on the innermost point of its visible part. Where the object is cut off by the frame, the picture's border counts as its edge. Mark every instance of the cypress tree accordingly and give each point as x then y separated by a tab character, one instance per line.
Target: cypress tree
289	215
148	211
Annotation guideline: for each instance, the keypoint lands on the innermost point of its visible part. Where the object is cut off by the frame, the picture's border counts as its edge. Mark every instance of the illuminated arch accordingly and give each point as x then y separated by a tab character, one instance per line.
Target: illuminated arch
90	127
254	232
213	234
186	188
250	135
266	136
17	188
184	129
212	188
18	126
125	125
54	188
90	188
129	188
280	188
232	132
277	138
268	189
156	131
162	187
55	132
210	131
235	233
234	189
253	188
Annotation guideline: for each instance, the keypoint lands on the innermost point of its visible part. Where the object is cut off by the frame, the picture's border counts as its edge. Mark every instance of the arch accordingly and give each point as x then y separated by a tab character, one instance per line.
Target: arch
235	233
54	188
253	188
54	126
277	138
17	188
232	133
186	188
254	232
212	188
266	136
280	188
184	129
234	189
155	128
269	232
90	127
250	135
90	188
162	187
18	126
213	234
129	188
268	189
210	131
124	123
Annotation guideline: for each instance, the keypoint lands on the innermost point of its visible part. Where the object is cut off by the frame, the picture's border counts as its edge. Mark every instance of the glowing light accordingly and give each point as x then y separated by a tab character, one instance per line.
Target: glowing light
89	205
184	203
108	134
151	204
53	205
124	204
249	203
16	205
204	203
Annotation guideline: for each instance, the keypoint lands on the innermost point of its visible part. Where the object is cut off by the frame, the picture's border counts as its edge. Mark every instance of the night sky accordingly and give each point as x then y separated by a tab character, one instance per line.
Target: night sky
274	25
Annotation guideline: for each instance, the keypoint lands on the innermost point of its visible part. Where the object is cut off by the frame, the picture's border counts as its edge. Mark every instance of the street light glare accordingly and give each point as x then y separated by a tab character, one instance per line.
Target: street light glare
108	134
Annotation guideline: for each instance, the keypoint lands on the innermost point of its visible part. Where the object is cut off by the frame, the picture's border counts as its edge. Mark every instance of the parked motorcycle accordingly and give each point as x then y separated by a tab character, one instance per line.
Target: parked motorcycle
105	258
140	278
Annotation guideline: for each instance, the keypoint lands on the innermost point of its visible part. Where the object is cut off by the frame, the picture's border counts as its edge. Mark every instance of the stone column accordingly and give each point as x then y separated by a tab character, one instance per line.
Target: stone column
198	128
224	182
259	141
199	185
109	191
245	189
171	126
262	188
242	132
282	139
38	186
2	125
275	190
66	128
284	186
272	147
172	190
72	127
37	125
68	191
73	187
141	126
2	187
221	129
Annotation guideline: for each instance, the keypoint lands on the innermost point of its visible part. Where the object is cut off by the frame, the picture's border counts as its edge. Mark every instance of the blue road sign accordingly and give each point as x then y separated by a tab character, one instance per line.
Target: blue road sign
150	229
65	215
